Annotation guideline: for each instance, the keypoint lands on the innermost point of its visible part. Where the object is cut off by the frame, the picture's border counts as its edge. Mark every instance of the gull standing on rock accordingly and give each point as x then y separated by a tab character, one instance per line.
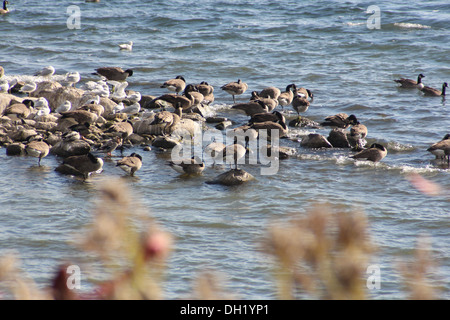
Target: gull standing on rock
46	72
72	78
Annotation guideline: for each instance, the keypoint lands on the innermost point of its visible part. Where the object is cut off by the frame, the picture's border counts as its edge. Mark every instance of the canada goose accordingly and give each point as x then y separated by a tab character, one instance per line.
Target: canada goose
196	97
233	152
247	132
270	103
235	88
19	110
269	126
173	99
114	73
5	8
300	104
176	85
111	145
275	116
130	164
252	107
215	151
410	84
82	165
95	108
441	149
431	92
28	87
374	153
193	166
123	129
46	72
37	148
80	116
169	119
305	93
207	91
64	107
126	46
358	133
340	120
285	98
270	92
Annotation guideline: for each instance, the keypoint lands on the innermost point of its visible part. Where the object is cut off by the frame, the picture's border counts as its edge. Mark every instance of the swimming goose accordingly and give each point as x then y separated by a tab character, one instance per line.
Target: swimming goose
37	148
441	149
431	92
46	72
252	107
126	46
270	92
286	97
28	87
235	88
374	153
176	85
193	166
5	9
114	73
168	119
130	164
340	120
409	83
82	165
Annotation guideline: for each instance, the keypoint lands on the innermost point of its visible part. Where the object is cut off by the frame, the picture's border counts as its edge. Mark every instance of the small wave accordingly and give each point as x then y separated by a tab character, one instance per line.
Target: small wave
353	24
405	25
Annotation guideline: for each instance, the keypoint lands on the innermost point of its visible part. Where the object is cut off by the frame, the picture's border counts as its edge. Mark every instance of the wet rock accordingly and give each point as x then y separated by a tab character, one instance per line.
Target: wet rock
303	122
223	125
164	142
232	177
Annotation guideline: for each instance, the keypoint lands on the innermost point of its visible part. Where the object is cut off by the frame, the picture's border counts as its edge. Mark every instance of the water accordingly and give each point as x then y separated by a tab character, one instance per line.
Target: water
326	48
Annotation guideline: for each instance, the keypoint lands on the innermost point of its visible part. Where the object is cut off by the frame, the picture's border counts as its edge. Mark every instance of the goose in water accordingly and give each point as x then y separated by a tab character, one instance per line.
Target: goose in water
411	84
37	148
5	9
375	153
177	84
126	46
130	164
431	92
114	73
193	166
214	150
235	88
441	149
82	165
340	120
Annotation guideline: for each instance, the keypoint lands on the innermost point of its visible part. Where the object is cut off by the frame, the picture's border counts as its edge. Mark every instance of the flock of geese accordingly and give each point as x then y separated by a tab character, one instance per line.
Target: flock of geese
188	101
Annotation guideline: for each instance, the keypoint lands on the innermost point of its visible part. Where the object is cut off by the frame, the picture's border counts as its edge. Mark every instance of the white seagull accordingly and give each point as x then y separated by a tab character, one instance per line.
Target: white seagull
126	46
72	78
46	72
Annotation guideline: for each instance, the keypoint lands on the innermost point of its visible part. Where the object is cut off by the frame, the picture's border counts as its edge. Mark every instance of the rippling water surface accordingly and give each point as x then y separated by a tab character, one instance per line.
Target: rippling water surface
326	47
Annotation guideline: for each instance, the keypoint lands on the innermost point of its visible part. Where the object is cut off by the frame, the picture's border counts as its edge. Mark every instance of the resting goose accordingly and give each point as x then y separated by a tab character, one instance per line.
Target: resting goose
168	119
252	107
207	91
275	116
269	102
176	85
270	92
358	133
193	166
375	153
82	165
340	120
235	88
411	84
431	92
114	73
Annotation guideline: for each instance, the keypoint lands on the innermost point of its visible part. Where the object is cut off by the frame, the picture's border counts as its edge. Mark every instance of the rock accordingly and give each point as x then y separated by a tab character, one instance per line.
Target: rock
164	142
303	122
15	149
223	125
